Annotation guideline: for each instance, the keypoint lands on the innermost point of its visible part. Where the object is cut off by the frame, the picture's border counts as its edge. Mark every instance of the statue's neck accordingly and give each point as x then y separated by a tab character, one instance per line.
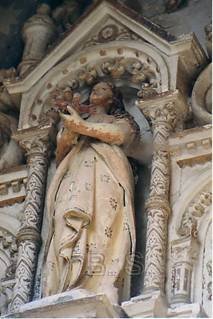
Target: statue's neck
101	110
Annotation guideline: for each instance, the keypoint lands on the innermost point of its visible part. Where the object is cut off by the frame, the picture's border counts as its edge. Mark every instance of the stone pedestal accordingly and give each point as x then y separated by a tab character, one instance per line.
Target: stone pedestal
152	305
72	304
193	310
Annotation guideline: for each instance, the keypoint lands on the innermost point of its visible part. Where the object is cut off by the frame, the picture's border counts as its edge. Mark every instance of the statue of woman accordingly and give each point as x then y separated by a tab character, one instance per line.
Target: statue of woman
90	203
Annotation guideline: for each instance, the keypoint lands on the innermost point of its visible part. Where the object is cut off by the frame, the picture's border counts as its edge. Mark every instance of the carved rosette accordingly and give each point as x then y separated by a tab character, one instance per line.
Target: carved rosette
37	144
163	116
110	32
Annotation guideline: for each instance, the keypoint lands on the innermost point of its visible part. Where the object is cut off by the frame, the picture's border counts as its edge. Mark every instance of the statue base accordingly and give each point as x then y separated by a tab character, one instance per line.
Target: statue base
150	305
72	304
154	305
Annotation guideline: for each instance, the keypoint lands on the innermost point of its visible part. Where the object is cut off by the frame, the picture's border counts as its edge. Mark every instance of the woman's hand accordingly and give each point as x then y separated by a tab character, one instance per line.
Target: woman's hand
72	119
75	115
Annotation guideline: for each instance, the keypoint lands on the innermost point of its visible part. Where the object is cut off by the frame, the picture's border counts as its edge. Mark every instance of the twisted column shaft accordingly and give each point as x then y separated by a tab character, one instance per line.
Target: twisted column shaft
36	142
163	118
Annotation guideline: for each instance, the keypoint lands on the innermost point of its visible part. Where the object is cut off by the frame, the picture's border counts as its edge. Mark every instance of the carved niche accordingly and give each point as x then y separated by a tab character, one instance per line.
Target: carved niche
144	71
190	253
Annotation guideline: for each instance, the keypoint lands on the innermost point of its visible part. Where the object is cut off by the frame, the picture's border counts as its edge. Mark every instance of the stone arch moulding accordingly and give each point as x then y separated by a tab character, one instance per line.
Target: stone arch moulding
10	223
199	185
181	57
185	246
149	62
202	270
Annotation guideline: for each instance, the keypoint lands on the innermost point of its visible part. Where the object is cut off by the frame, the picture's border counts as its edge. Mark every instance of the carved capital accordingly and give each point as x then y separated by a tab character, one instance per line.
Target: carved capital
164	109
36	140
165	114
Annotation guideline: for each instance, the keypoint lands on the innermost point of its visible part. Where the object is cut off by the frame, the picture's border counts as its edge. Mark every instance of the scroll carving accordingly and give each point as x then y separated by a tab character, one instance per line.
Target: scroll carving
6	292
111	32
9	246
195	210
8	251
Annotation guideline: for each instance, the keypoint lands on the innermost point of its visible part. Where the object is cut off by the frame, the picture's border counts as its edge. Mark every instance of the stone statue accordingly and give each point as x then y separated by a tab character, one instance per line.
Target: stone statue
90	202
10	153
38	32
66	14
202	90
173	5
6	101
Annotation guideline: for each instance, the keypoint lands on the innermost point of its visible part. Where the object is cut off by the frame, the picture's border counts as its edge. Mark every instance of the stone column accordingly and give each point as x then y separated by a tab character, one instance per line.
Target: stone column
164	111
36	142
163	118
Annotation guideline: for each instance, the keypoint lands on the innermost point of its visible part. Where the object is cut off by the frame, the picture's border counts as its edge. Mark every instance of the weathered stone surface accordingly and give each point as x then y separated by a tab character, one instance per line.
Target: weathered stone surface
152	305
74	304
154	73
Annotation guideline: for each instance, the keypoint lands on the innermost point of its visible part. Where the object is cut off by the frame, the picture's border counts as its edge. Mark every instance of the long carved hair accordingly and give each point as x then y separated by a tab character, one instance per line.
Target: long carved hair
117	109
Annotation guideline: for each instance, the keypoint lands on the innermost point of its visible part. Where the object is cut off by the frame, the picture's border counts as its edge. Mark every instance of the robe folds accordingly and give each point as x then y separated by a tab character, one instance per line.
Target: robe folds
91	238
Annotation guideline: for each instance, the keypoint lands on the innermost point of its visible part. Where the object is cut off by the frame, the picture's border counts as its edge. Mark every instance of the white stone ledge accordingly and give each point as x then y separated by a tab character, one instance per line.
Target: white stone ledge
73	304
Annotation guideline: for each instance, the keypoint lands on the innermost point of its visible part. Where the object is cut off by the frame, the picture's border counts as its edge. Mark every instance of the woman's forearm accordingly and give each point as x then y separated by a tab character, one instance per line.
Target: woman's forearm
106	132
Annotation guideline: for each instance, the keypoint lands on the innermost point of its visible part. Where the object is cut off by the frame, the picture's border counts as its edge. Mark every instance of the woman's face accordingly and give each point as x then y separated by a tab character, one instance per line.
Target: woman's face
101	95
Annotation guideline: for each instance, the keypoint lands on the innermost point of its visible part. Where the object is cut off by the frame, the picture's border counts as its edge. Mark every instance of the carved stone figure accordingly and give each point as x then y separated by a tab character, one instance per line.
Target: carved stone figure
38	32
66	14
173	5
10	153
6	101
90	203
202	90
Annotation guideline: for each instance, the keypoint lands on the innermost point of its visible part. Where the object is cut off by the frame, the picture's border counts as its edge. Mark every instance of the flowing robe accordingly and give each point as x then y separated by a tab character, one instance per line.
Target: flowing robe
92	233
